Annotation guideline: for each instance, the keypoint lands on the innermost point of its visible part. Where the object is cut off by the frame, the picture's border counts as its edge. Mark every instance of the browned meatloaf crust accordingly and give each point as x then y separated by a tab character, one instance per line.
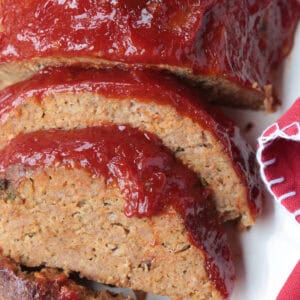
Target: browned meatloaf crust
229	48
46	284
202	138
66	194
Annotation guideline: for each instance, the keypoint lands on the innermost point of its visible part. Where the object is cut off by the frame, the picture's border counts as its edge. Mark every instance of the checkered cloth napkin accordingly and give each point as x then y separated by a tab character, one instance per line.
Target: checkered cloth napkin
279	158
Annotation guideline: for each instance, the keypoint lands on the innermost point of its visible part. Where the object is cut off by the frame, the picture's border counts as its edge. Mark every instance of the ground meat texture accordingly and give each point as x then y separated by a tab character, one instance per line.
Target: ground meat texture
202	138
147	174
46	284
230	49
79	225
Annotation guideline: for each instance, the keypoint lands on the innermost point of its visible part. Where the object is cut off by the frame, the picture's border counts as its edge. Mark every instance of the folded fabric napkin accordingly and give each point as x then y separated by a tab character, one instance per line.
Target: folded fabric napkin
279	157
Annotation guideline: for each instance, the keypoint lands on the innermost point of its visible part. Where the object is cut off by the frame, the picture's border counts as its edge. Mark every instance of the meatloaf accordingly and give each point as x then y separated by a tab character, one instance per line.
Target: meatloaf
229	47
202	138
113	204
46	284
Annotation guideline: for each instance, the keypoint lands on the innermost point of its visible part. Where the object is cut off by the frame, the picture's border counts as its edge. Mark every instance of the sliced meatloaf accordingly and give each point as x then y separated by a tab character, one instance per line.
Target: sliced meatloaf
200	137
229	48
46	284
113	204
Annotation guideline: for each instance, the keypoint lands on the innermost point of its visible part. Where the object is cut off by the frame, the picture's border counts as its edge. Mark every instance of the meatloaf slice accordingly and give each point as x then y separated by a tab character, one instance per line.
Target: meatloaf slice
200	137
229	48
113	204
47	284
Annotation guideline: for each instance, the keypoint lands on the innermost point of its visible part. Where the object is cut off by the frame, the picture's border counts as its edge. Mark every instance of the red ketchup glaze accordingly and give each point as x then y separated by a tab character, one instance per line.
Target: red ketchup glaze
145	86
239	40
147	173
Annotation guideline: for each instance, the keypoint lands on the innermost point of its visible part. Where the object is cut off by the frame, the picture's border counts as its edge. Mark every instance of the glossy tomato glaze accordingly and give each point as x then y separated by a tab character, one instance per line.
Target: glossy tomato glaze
144	86
148	175
239	40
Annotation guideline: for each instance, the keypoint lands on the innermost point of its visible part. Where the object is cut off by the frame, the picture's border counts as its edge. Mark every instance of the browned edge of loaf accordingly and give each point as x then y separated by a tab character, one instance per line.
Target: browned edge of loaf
43	284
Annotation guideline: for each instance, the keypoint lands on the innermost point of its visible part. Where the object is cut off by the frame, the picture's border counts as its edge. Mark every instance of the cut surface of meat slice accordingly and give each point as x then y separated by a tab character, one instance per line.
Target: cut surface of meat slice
230	49
114	197
202	138
46	284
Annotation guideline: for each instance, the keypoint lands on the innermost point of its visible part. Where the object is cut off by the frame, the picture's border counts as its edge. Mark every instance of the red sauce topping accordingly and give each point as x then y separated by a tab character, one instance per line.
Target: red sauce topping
147	173
240	40
148	86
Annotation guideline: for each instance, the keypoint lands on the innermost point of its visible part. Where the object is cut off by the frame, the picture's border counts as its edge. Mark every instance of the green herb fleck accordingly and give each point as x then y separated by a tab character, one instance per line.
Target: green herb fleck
11	195
204	182
39	66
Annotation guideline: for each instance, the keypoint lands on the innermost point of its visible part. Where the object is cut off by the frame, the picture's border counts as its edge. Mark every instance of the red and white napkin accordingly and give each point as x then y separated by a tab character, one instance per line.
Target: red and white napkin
279	158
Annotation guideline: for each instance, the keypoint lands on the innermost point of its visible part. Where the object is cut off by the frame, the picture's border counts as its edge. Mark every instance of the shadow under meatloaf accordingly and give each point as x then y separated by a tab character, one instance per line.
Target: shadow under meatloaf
230	49
64	196
202	138
46	284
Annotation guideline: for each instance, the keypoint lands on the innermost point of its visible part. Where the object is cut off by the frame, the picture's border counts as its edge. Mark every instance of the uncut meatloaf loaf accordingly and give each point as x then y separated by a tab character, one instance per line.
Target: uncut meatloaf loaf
113	204
200	137
46	284
229	47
